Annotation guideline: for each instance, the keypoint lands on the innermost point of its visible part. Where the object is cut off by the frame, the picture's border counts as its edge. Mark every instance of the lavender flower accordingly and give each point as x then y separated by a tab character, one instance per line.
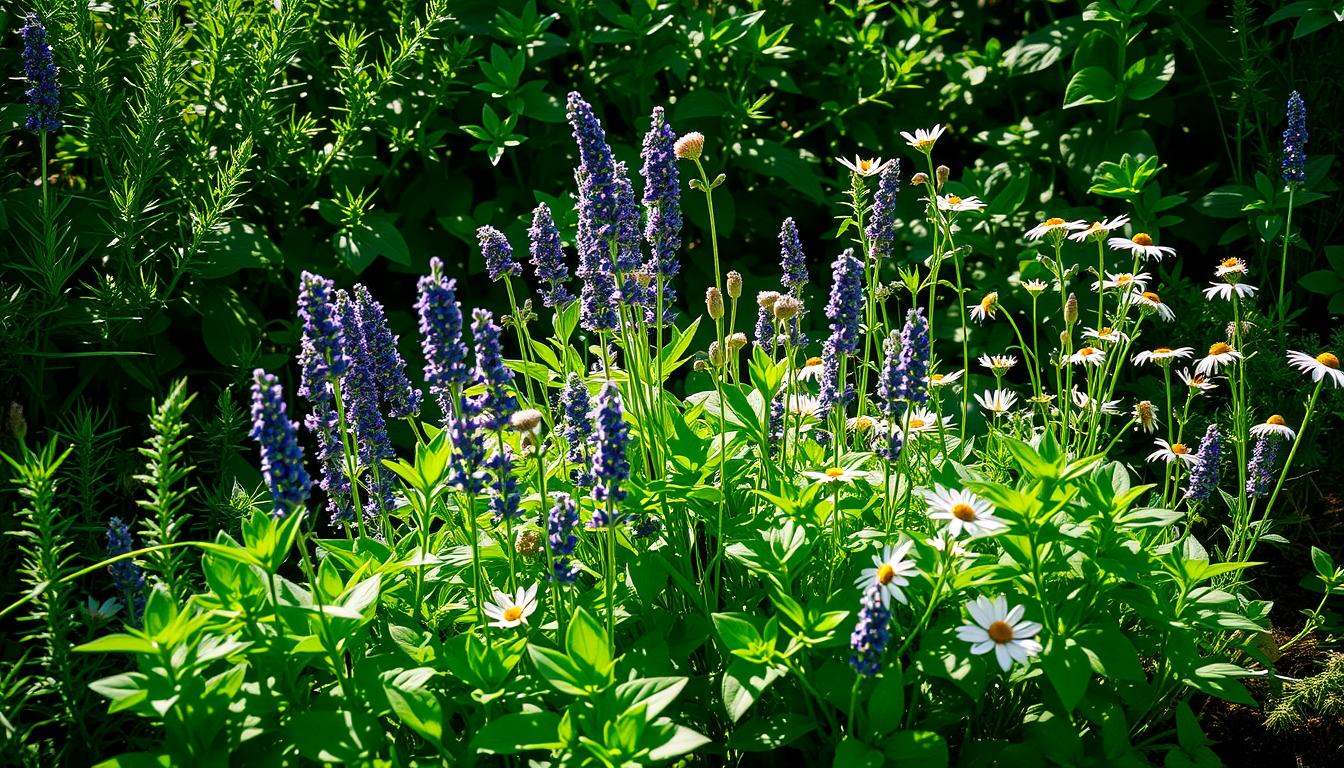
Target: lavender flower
646	527
845	308
765	327
359	394
39	66
498	254
881	229
610	465
564	516
1260	469
597	230
598	297
281	456
496	404
548	257
504	497
1294	164
389	368
871	634
1204	473
322	350
908	377
576	426
792	258
128	579
441	335
662	206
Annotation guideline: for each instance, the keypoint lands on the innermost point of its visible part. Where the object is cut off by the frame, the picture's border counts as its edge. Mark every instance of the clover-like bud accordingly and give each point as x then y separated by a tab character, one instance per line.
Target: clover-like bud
714	303
690	146
734	282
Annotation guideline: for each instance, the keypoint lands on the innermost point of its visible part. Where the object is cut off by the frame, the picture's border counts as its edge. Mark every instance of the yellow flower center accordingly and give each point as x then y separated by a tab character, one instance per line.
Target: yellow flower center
964	512
811	361
1232	262
1142	238
1095	228
1124	280
953	200
1150	296
1162	351
916	423
1087	351
1105	332
513	613
936	377
1000	632
1179	449
1276	420
1328	360
1053	221
863	423
864	165
886	574
835	472
987	303
1221	348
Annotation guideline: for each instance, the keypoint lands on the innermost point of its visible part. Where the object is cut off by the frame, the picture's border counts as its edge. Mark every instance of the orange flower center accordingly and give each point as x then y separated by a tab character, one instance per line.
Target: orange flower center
1276	420
1232	262
987	303
1000	632
1162	351
1053	221
863	423
964	512
835	472
1149	295
1179	449
916	423
1142	238
953	200
1105	332
1124	280
1221	348
513	613
936	377
811	361
885	574
1087	351
1328	360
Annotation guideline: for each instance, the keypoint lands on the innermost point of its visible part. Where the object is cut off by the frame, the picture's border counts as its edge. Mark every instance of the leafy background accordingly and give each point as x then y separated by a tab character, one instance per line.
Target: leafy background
216	149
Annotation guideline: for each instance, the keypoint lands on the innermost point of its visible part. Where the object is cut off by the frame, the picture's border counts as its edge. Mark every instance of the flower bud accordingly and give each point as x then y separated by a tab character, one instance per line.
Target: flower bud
737	341
767	299
734	284
942	172
714	303
1071	310
690	146
700	366
17	424
787	307
716	356
526	420
644	278
528	543
919	179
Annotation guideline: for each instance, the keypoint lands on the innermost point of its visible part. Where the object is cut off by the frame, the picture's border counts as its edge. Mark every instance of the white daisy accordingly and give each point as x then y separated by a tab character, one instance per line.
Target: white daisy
890	572
1226	291
1232	266
811	369
1099	228
801	406
1163	355
1108	408
1148	301
1124	281
923	140
509	611
863	424
996	401
1320	366
836	475
1275	425
1220	354
943	379
998	363
1197	380
1035	287
921	420
1141	245
1052	224
1000	629
963	511
1169	452
958	204
1105	334
942	542
1088	356
865	167
987	308
1145	416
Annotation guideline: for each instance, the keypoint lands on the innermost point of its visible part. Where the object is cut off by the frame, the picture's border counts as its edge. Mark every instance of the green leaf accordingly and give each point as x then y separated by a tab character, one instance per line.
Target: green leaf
917	749
737	633
1110	652
654	694
853	753
335	737
236	245
118	643
1147	76
886	705
518	732
586	642
763	734
416	705
1068	669
682	741
1323	563
743	684
557	669
1089	85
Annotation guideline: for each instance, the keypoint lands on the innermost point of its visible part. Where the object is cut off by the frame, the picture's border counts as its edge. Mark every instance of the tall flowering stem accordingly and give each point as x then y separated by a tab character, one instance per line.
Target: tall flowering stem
1294	168
611	468
322	355
360	393
281	456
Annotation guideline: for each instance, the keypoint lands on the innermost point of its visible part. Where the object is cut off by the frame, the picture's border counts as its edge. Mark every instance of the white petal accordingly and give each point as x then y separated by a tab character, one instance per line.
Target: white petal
1005	660
972	634
1025	629
1015	615
982	611
1016	651
983	648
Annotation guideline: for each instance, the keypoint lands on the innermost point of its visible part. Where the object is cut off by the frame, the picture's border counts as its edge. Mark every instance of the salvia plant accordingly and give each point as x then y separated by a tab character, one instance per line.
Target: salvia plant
606	547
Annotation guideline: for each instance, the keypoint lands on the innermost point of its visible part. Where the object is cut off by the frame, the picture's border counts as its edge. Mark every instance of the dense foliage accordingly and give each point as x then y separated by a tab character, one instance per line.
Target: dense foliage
594	519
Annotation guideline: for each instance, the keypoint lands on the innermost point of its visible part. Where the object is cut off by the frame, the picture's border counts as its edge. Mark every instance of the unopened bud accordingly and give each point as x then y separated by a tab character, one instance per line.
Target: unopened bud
690	146
526	420
700	366
919	179
17	424
1071	309
767	299
734	284
714	303
716	357
942	172
528	543
737	341
787	307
